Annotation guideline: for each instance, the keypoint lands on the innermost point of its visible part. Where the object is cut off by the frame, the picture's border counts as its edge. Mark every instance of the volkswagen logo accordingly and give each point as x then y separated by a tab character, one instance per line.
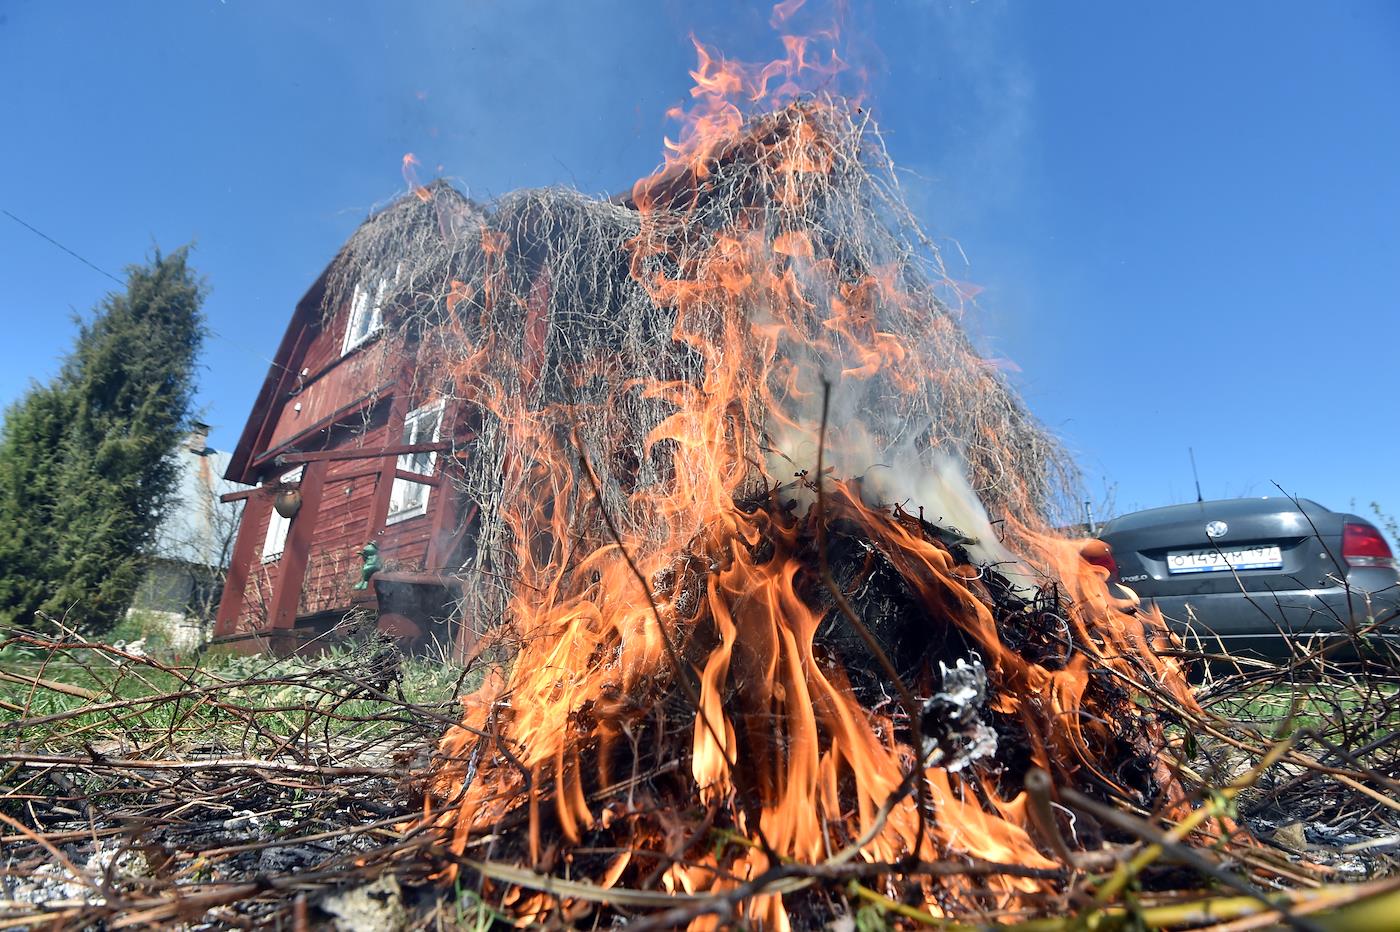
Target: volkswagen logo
1216	529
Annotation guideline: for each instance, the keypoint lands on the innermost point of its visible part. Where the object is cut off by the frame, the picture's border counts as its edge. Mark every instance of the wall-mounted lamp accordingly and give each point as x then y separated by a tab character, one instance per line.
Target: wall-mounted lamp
287	503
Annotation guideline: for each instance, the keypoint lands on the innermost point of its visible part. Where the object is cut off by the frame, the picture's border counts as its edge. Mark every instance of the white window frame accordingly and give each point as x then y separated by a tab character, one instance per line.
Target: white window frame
366	315
409	499
275	540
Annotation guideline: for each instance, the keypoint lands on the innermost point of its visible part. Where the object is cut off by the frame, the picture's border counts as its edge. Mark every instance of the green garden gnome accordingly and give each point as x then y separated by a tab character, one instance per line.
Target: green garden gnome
372	564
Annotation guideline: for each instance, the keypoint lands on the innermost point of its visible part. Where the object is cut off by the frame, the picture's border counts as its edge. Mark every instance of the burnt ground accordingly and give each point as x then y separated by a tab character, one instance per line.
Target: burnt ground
138	792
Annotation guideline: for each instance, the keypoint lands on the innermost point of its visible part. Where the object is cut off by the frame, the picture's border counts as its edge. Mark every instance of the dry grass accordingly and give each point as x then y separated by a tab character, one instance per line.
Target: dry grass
230	790
143	789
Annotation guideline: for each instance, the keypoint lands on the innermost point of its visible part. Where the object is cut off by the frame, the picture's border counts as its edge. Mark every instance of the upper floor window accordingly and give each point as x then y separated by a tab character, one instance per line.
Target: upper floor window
408	498
366	314
275	541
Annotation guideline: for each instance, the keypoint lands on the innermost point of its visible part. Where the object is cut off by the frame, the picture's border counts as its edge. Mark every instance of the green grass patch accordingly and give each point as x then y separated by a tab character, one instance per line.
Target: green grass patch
1317	707
77	696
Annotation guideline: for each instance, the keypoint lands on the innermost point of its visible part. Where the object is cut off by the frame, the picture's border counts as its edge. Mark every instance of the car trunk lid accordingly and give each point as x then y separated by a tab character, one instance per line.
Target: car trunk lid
1227	546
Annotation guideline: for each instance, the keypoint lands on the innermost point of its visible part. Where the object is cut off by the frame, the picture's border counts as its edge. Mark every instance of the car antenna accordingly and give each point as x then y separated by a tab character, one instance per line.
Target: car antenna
1195	475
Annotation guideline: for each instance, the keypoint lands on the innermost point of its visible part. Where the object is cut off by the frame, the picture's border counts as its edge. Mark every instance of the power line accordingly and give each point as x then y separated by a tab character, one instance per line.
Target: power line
70	252
114	278
250	351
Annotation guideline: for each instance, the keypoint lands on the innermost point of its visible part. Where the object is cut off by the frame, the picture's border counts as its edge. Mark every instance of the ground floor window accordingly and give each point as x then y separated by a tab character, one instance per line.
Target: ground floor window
409	498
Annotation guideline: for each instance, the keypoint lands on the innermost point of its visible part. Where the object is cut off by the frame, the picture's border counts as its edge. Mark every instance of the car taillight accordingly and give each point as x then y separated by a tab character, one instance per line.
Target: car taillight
1363	545
1097	553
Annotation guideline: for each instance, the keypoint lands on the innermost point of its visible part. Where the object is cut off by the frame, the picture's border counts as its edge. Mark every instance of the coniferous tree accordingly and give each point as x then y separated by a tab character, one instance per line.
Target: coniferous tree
30	446
87	463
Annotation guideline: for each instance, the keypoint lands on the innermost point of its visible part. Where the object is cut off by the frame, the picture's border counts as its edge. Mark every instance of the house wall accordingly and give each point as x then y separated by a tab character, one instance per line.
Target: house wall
350	402
324	351
261	579
343	527
168	588
360	373
407	540
170	600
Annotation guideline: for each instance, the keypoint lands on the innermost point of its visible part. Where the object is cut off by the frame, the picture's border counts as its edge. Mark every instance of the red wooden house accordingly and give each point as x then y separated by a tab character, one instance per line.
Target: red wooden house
347	445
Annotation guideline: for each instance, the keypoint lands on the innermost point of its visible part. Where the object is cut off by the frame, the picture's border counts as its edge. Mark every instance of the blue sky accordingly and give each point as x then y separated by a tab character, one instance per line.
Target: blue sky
1185	216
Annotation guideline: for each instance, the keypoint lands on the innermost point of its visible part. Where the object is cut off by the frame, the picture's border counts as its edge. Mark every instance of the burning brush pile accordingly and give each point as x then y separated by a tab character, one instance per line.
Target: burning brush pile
837	685
766	548
768	542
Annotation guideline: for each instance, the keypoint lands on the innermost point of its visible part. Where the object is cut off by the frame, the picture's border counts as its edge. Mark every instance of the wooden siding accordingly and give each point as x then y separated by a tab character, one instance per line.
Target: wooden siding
262	577
361	372
407	540
324	350
342	529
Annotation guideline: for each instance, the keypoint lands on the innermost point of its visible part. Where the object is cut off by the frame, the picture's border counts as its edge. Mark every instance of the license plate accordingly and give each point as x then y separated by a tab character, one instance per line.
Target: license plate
1223	561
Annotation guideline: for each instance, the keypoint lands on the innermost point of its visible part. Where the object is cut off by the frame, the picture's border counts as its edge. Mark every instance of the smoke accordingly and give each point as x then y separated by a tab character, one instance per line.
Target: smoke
931	483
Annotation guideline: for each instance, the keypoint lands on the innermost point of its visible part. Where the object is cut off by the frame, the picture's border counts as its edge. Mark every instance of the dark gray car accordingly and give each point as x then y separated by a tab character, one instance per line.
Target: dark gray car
1259	574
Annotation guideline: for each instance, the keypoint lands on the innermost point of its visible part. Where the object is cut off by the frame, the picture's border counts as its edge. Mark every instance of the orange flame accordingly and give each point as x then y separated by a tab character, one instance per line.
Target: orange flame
410	176
724	601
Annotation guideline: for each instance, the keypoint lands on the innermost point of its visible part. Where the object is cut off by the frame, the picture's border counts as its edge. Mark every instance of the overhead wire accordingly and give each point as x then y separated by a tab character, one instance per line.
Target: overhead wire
101	271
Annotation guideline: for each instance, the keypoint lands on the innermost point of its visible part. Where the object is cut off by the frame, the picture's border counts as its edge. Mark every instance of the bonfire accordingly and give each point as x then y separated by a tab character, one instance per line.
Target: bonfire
767	543
764	562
